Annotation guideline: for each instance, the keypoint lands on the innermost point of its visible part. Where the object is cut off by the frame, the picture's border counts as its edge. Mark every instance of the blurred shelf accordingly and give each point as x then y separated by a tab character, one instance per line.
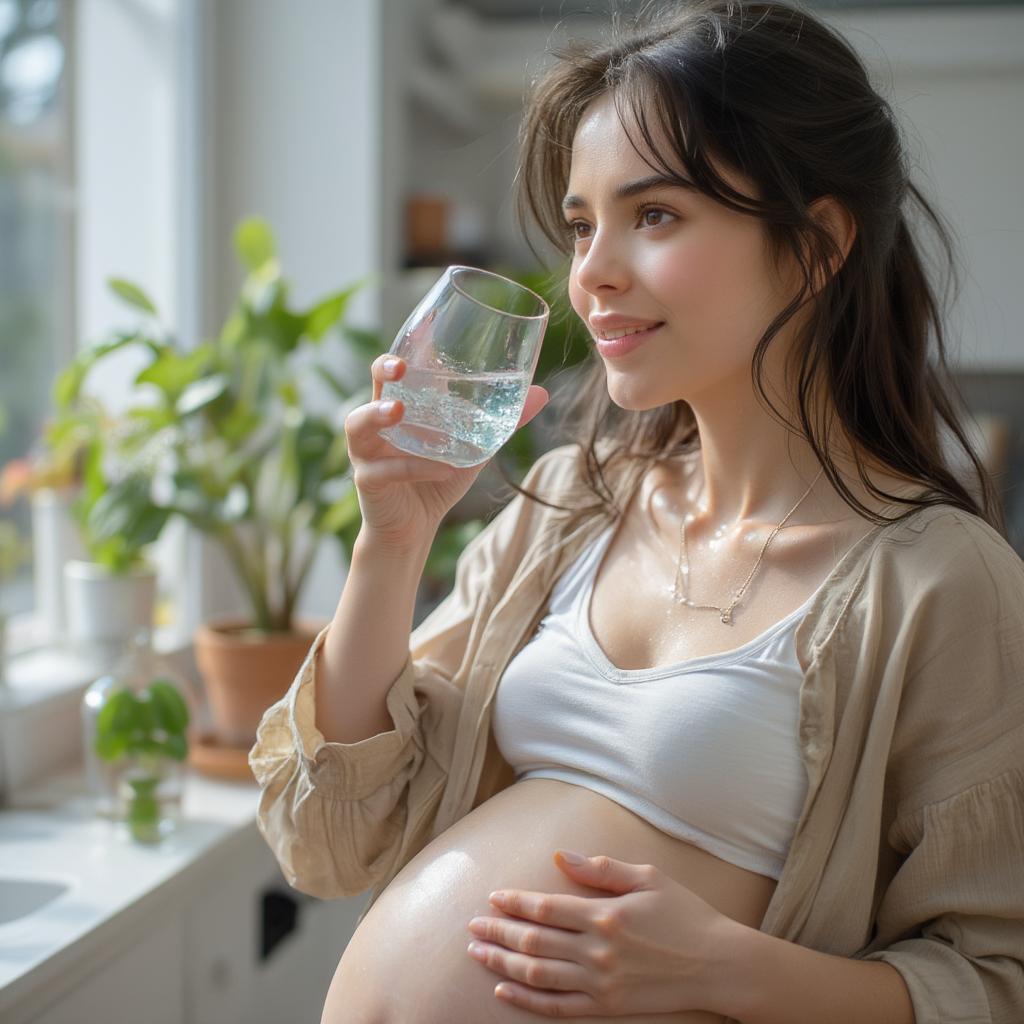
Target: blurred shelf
448	98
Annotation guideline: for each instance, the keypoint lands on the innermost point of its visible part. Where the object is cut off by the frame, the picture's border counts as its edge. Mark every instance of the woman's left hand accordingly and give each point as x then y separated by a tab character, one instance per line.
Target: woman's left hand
653	947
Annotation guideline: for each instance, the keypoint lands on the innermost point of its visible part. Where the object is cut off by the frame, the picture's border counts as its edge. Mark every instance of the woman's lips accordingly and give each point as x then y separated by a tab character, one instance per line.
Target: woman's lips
620	346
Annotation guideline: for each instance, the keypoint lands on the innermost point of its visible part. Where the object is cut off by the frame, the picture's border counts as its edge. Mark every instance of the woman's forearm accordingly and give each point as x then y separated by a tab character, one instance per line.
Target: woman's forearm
768	980
368	642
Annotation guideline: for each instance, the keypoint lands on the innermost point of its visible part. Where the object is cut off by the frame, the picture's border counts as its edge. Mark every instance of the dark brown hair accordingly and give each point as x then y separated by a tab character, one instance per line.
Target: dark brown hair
770	91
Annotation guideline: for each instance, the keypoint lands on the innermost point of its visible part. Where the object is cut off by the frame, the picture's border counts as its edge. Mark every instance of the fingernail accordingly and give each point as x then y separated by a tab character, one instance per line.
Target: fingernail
571	858
386	408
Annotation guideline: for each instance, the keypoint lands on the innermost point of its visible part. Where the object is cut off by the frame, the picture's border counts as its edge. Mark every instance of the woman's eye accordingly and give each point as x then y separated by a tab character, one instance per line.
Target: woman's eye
642	213
571	229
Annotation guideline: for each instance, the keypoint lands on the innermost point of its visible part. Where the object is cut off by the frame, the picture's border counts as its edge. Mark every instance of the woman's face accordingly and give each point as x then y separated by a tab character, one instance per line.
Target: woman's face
666	255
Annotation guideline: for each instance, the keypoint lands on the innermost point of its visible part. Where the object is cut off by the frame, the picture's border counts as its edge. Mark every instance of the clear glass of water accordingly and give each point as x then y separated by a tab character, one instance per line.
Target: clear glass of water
471	348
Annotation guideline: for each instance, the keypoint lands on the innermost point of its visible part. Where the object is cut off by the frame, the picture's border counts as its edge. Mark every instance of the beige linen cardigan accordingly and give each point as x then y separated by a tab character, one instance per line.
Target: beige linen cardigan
910	844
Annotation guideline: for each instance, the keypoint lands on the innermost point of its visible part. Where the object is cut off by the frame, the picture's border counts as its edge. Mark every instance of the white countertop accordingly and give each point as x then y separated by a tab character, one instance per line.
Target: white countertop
48	833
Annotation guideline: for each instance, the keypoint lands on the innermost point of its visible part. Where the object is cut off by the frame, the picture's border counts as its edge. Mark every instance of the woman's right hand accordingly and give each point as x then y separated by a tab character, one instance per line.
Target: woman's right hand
403	497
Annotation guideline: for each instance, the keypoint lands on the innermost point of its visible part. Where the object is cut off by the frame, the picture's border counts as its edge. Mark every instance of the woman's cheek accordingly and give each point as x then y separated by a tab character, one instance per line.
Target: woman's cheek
684	271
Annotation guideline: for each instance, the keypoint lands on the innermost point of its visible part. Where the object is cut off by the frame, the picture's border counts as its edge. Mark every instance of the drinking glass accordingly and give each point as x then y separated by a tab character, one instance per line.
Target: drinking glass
471	348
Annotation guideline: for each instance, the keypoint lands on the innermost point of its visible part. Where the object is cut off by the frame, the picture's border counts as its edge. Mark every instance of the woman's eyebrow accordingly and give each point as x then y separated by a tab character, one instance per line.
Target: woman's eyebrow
633	188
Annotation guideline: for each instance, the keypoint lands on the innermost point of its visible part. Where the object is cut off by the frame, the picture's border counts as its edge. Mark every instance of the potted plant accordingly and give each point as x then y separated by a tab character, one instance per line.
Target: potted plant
142	736
110	592
92	520
229	438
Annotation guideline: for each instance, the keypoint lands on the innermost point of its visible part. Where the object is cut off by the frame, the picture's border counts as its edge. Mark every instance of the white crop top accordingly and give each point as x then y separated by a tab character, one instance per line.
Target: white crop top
705	750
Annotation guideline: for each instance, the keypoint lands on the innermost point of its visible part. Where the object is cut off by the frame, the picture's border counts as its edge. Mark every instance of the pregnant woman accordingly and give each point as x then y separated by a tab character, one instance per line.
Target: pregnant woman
746	643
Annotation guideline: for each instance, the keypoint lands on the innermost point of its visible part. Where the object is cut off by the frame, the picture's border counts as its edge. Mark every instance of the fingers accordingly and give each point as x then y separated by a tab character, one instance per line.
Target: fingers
385	367
363	423
536	399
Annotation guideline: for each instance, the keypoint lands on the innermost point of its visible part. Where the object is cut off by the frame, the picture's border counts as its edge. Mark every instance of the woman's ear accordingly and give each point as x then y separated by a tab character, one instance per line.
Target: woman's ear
837	220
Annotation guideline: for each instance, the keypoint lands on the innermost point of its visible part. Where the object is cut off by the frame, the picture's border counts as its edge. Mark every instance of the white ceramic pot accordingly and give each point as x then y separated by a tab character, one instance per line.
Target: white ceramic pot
55	541
105	609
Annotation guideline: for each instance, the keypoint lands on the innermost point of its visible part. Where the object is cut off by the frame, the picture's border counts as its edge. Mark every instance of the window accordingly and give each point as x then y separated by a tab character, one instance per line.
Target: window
36	288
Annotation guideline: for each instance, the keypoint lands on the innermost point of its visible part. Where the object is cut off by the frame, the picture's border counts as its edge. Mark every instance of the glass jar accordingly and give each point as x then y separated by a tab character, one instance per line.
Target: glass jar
136	722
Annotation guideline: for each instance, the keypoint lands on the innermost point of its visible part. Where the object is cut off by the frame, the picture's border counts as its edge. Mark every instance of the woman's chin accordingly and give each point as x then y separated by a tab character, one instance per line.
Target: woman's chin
632	396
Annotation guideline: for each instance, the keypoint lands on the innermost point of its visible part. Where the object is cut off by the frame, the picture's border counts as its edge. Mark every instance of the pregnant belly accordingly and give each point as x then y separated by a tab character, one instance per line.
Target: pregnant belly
407	961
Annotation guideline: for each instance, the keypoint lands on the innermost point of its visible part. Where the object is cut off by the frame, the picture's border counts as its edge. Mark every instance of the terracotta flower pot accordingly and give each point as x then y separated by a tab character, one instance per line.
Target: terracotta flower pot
245	671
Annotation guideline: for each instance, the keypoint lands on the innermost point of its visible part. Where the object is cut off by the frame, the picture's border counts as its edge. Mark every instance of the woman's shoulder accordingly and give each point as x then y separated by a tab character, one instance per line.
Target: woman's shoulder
945	537
951	561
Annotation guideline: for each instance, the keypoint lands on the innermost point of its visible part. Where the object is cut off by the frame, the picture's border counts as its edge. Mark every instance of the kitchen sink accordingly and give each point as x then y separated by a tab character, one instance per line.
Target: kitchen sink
20	897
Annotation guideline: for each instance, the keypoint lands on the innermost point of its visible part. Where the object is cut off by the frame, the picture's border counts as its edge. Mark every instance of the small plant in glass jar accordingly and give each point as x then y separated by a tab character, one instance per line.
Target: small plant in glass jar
141	734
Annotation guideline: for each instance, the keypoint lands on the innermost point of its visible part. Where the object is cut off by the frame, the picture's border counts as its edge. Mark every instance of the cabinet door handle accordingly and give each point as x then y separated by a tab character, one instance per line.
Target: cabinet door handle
278	919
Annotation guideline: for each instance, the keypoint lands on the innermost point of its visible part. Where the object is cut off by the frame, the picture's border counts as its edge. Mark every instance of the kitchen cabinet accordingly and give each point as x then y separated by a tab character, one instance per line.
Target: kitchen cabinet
203	961
202	929
142	984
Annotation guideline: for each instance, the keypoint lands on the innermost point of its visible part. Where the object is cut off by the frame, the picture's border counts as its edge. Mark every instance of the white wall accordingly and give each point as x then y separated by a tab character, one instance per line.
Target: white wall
956	78
286	125
297	137
124	164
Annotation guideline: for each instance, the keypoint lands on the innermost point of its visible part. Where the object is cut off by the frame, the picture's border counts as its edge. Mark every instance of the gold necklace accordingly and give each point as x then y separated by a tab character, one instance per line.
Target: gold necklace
682	575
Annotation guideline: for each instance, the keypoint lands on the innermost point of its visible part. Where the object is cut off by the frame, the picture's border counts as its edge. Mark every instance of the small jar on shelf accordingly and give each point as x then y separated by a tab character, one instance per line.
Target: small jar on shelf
135	722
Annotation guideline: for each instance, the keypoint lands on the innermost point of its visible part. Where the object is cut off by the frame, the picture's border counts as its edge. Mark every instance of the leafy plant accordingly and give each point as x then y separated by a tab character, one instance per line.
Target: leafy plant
148	726
83	453
226	436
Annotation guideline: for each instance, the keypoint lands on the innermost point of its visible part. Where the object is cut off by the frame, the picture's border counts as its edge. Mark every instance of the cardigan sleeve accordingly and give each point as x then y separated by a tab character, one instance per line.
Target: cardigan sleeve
953	913
959	896
339	816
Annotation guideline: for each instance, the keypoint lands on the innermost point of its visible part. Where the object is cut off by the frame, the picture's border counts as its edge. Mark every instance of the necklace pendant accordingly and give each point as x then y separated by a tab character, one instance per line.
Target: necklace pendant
727	616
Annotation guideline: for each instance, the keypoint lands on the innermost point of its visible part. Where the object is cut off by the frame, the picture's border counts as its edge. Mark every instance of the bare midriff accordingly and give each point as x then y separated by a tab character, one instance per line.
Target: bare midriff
407	961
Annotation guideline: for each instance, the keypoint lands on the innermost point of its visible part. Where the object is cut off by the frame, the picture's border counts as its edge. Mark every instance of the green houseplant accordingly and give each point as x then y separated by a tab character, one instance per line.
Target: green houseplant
222	435
116	516
110	591
228	436
143	732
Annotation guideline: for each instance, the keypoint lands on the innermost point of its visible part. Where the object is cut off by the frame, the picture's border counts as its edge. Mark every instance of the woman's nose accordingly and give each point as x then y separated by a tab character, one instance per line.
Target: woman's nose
602	267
